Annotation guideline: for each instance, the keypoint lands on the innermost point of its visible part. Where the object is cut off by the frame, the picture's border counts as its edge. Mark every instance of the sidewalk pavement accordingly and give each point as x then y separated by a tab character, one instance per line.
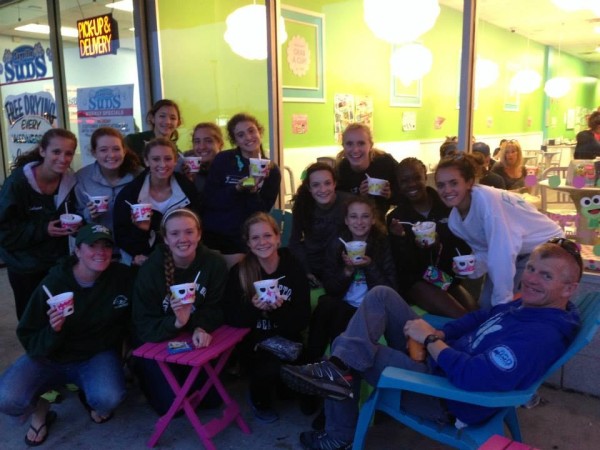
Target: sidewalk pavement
565	420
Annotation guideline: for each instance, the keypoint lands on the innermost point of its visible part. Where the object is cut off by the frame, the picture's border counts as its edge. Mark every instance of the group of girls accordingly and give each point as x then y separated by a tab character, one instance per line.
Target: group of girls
177	246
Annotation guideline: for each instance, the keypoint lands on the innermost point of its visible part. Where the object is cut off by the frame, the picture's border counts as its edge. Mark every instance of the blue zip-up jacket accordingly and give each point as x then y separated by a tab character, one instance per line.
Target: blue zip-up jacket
509	347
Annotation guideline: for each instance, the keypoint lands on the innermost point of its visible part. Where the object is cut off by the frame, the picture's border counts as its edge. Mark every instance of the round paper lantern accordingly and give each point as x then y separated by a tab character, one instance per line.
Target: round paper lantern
246	32
525	81
557	87
410	62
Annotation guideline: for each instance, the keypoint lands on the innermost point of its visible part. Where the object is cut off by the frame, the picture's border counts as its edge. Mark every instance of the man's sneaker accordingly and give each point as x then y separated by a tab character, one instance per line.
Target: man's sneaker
320	440
322	378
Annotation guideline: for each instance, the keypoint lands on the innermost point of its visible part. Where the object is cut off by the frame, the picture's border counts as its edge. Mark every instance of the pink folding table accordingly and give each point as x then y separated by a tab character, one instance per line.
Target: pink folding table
211	360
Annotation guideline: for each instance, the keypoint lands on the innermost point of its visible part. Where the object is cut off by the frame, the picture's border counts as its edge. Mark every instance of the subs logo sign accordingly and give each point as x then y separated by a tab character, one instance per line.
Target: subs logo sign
98	36
24	63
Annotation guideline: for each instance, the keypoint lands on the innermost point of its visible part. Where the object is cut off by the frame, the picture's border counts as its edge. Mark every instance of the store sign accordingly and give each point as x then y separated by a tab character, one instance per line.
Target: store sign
98	36
29	116
24	63
103	106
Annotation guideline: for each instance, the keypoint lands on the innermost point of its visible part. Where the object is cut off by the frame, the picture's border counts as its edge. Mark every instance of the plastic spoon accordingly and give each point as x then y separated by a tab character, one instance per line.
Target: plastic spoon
458	251
343	241
197	275
128	203
47	291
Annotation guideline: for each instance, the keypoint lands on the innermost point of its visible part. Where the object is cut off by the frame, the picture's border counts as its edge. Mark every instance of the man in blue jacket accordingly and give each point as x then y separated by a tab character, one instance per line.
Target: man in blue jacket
493	350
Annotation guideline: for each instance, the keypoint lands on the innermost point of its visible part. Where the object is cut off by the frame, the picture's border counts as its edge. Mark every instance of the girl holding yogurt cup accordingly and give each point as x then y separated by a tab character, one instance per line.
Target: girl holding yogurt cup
499	226
32	199
346	280
359	161
99	183
160	316
159	187
207	141
420	203
287	316
231	194
83	348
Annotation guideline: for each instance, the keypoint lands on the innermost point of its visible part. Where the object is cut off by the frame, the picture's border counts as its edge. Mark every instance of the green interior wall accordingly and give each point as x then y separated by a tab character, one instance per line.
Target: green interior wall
208	80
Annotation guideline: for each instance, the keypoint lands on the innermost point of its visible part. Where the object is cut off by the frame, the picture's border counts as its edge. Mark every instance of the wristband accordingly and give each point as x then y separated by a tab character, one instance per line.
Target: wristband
431	338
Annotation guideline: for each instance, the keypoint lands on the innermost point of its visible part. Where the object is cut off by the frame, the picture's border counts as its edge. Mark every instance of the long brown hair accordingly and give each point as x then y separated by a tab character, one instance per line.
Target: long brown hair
131	161
34	154
249	266
304	203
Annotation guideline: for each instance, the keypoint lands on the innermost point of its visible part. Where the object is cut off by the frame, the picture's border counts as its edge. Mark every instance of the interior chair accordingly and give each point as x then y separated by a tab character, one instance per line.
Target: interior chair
387	396
556	204
284	220
289	187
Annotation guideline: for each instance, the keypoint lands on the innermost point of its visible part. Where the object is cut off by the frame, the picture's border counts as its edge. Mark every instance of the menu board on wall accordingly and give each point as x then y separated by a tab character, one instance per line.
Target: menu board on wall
29	116
103	106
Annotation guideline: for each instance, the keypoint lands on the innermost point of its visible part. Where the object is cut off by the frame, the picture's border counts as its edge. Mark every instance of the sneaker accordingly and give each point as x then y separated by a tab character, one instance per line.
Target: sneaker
322	378
320	440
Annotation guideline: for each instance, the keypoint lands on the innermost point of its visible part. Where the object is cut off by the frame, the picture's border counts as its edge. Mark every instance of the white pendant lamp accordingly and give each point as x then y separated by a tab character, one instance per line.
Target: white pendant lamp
557	87
246	32
411	62
400	21
486	73
525	81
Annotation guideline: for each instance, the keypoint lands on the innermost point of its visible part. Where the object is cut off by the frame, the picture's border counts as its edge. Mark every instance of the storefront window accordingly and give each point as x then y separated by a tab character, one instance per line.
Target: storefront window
26	79
200	71
101	88
100	70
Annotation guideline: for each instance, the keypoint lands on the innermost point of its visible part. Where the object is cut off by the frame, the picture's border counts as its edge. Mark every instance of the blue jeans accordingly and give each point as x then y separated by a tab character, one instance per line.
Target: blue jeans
100	378
382	313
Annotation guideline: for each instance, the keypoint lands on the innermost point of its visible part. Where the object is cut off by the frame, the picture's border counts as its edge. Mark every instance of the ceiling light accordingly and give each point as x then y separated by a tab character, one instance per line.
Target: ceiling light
400	21
45	29
597	49
250	42
411	62
124	5
557	87
525	81
597	29
486	73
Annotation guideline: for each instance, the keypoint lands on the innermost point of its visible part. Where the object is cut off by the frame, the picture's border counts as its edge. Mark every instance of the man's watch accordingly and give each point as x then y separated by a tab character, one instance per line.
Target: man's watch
431	338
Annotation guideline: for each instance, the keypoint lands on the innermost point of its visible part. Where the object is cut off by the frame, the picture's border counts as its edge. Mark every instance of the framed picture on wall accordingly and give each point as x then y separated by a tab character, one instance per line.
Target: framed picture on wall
303	72
405	95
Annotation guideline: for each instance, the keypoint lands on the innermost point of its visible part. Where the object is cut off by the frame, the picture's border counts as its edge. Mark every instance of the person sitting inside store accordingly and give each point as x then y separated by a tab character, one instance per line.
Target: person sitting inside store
481	152
471	353
588	145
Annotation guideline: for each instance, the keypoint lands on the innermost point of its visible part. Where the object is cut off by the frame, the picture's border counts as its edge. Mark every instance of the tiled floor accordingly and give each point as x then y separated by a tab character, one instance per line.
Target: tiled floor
568	421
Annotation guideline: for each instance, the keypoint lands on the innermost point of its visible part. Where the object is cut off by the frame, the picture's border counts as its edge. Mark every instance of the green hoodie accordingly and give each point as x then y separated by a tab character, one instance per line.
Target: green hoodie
100	320
153	318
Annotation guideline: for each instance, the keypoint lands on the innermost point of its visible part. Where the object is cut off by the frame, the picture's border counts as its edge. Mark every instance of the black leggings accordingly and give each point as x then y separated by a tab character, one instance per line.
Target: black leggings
329	319
23	285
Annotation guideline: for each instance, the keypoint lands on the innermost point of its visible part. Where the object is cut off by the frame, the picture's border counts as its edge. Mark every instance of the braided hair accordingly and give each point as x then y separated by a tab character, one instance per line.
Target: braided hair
169	263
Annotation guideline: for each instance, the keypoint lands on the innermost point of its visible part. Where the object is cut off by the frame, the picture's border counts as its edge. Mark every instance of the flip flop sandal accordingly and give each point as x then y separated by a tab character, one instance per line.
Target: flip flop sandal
89	409
50	419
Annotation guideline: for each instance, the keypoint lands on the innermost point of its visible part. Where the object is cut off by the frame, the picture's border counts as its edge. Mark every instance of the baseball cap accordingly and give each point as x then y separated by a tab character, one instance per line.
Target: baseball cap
482	148
93	232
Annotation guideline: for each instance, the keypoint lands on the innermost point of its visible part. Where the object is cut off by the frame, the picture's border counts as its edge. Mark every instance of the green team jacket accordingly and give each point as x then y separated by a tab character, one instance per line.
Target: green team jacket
153	317
25	245
102	315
